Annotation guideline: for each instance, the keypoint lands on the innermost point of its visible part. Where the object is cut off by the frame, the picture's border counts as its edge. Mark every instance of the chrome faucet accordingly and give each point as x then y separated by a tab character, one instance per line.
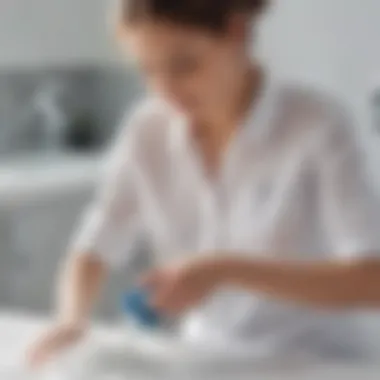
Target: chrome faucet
48	103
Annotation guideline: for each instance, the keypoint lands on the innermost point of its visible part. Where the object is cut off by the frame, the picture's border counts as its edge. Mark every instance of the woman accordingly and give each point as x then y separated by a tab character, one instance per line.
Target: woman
240	180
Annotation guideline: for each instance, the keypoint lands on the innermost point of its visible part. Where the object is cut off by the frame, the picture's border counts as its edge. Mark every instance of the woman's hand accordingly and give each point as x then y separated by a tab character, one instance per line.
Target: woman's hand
79	287
181	286
52	342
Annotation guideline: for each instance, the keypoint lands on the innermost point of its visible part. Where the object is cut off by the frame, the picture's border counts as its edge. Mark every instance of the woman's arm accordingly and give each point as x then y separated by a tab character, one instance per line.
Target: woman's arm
81	279
80	282
328	285
101	242
331	284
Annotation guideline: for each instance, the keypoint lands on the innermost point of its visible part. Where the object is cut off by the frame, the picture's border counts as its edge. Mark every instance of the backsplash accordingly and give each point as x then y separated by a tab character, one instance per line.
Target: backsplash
36	101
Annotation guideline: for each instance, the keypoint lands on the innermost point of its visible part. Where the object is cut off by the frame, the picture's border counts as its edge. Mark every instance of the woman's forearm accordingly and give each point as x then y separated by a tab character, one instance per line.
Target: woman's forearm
80	284
330	284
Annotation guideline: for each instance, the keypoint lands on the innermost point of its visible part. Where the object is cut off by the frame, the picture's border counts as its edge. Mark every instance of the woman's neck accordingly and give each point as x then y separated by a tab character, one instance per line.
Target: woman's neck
213	135
227	115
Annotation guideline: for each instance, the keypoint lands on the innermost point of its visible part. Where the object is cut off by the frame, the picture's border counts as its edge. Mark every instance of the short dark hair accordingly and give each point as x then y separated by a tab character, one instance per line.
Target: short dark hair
212	15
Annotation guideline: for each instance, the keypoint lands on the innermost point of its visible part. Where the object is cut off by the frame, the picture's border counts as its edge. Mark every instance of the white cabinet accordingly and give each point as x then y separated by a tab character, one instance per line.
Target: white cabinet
38	234
40	202
45	32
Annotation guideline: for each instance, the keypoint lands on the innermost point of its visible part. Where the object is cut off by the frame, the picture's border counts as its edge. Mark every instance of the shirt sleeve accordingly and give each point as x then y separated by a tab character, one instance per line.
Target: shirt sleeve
349	207
111	223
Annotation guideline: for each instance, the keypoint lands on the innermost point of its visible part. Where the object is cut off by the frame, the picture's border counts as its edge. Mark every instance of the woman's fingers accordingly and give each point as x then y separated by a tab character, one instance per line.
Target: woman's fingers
52	342
151	279
162	298
159	285
40	351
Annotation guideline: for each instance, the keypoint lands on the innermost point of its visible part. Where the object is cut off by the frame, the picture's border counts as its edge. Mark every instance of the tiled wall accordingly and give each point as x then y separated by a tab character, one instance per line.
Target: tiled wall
101	92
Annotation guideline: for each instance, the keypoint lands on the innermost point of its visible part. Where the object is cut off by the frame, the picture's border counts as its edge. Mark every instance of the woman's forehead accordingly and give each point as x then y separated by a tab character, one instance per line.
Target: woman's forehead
160	38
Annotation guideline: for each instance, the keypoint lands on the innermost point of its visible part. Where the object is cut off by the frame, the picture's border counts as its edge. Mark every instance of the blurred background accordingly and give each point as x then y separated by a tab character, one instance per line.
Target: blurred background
63	90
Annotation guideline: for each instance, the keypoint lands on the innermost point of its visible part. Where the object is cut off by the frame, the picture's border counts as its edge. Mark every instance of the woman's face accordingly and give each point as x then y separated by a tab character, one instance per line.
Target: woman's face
191	68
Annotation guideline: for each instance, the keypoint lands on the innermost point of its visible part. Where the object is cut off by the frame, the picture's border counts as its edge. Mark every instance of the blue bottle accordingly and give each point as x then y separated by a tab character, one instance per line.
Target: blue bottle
136	306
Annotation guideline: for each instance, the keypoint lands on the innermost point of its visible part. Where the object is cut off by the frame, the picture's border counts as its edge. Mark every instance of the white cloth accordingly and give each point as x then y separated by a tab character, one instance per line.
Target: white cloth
291	186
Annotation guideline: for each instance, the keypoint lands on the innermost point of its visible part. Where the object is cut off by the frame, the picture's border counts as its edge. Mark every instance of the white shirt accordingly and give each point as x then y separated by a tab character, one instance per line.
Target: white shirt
291	186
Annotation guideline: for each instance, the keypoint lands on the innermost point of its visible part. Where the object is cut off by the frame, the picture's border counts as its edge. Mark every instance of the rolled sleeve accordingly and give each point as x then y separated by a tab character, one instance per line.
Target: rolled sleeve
349	207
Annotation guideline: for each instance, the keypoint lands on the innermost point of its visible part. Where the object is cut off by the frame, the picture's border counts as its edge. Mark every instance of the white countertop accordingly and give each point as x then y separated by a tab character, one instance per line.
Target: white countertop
17	331
37	176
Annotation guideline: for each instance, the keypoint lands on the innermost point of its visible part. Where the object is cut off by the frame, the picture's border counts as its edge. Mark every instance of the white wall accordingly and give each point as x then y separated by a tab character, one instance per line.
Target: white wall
332	42
35	32
335	44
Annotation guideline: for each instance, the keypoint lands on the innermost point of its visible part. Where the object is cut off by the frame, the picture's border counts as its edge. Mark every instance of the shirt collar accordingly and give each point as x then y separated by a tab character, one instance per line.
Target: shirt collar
256	124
